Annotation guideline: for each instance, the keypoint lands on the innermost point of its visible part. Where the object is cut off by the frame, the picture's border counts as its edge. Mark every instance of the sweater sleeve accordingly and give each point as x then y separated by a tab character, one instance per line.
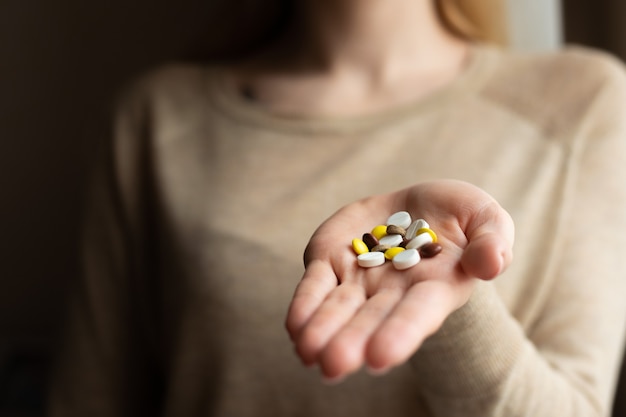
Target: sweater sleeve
482	363
104	366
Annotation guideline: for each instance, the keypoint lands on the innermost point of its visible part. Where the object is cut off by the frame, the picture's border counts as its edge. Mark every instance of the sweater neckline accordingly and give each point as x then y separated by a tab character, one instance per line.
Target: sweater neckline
224	95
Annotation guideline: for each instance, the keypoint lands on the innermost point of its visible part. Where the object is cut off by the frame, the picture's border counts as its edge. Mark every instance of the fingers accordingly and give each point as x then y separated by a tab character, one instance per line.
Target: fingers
338	308
319	309
365	319
490	242
318	281
382	333
419	314
345	352
487	229
485	257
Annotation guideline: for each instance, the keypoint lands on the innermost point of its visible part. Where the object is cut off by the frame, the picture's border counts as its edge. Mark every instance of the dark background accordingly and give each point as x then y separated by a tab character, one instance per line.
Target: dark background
60	66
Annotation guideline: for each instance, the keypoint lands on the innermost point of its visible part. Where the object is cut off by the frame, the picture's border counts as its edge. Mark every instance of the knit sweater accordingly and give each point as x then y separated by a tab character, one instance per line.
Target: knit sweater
203	202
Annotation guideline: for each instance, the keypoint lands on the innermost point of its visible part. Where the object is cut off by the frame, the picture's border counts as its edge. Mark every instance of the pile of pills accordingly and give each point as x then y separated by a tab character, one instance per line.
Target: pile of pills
400	240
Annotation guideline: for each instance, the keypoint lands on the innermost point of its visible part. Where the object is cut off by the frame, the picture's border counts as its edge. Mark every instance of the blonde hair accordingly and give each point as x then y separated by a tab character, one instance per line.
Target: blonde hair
479	20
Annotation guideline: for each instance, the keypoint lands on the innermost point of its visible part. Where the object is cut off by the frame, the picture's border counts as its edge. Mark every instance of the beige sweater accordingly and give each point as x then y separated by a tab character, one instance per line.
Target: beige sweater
203	204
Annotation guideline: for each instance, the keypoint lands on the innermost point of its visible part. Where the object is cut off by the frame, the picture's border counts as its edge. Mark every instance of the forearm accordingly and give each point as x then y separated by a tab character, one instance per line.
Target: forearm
482	360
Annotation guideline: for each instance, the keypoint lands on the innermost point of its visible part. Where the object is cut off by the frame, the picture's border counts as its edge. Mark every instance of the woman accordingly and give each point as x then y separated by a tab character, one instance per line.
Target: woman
217	177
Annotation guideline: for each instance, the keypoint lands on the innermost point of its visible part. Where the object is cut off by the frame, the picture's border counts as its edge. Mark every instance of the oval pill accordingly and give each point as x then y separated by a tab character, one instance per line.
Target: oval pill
406	259
430	232
429	250
379	231
359	246
401	218
380	248
392	252
370	240
419	241
411	232
392	229
371	259
391	240
421	223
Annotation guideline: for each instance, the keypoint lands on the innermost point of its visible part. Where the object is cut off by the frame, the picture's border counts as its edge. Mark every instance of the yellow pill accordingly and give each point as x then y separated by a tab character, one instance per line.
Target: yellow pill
359	246
427	230
379	231
391	252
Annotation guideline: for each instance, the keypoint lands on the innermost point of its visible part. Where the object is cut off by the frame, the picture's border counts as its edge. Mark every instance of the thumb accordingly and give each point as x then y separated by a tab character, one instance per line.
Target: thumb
490	235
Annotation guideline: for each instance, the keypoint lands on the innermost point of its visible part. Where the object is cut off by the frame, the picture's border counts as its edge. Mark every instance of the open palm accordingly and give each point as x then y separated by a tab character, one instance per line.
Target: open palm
343	316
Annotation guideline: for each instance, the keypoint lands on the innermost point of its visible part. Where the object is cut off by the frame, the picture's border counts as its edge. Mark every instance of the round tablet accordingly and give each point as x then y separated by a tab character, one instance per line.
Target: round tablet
429	231
391	240
419	241
371	259
401	218
406	259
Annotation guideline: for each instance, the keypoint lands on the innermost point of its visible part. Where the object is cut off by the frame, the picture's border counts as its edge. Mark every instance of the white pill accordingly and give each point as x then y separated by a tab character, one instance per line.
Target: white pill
371	259
419	241
401	218
406	259
414	227
391	240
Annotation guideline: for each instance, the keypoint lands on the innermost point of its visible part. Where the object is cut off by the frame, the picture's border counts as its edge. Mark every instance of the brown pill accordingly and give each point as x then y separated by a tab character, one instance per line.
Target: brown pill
430	249
380	248
392	229
370	240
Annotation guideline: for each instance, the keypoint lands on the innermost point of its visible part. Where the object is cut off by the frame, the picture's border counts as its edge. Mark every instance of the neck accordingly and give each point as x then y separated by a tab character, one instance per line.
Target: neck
353	57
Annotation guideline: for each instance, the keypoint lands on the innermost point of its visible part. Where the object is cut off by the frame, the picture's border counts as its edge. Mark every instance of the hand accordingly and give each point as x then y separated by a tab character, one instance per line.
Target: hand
343	316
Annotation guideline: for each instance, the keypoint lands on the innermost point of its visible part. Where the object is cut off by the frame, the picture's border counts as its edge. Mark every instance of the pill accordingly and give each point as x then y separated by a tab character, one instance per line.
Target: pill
392	229
370	240
430	249
411	232
419	241
379	231
406	259
401	218
392	252
402	241
371	259
391	240
380	248
427	230
359	246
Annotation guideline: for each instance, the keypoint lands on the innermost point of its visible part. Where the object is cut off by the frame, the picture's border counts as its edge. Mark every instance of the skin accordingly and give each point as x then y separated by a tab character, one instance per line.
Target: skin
353	57
343	317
